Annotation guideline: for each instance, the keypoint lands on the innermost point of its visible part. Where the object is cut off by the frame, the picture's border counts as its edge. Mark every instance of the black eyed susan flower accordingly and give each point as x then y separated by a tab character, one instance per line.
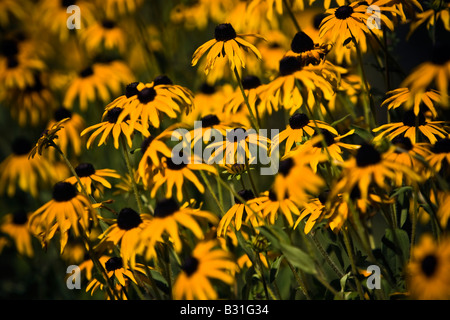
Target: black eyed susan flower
15	225
241	213
438	10
125	231
67	210
167	219
17	170
97	83
104	35
427	272
226	43
252	87
69	136
297	179
370	166
53	15
150	103
308	52
436	71
271	207
182	95
239	146
404	97
207	262
32	104
117	271
111	126
295	85
211	126
299	128
315	147
432	130
443	211
93	180
409	154
439	159
10	9
119	8
315	210
17	71
47	139
174	172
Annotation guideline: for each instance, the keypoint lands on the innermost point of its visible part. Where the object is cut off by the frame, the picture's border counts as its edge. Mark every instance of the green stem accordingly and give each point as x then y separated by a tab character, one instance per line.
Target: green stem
210	189
250	111
299	280
292	16
349	248
131	173
250	177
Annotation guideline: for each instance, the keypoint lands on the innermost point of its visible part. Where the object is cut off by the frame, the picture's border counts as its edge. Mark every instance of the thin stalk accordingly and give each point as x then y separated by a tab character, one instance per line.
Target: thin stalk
330	262
250	111
250	177
131	173
263	278
349	248
210	189
299	280
292	16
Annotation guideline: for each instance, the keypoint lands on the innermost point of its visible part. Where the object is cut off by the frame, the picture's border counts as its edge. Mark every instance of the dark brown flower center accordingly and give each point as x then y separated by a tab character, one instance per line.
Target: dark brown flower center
302	43
367	155
441	146
85	169
20	217
209	121
131	89
62	113
343	12
146	143
86	72
162	80
64	191
251	82
114	263
12	62
165	208
108	24
441	54
113	114
224	32
190	266
21	146
147	95
245	194
323	196
317	20
402	142
429	265
298	120
128	219
285	166
207	89
328	138
289	65
178	161
409	119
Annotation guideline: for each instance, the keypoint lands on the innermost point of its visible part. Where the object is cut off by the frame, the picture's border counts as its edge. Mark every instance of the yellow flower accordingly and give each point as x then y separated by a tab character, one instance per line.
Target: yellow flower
226	44
106	35
299	128
440	156
404	97
93	180
17	71
438	10
118	8
166	218
207	262
432	130
427	272
308	52
67	210
126	231
315	210
17	170
97	82
271	206
241	212
15	225
110	125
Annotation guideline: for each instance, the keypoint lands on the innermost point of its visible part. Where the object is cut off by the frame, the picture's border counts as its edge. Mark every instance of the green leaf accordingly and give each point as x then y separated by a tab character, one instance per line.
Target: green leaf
340	120
363	133
274	268
298	258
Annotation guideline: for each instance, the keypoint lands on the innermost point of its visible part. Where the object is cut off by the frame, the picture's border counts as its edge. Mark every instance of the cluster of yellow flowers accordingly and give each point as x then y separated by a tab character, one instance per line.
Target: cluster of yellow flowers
359	159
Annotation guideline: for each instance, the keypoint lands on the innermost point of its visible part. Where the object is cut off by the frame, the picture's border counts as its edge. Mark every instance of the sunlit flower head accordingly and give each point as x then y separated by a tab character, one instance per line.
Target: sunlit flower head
271	207
411	127
104	35
67	210
17	170
206	262
15	225
93	180
169	219
110	126
226	43
306	51
439	159
427	275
